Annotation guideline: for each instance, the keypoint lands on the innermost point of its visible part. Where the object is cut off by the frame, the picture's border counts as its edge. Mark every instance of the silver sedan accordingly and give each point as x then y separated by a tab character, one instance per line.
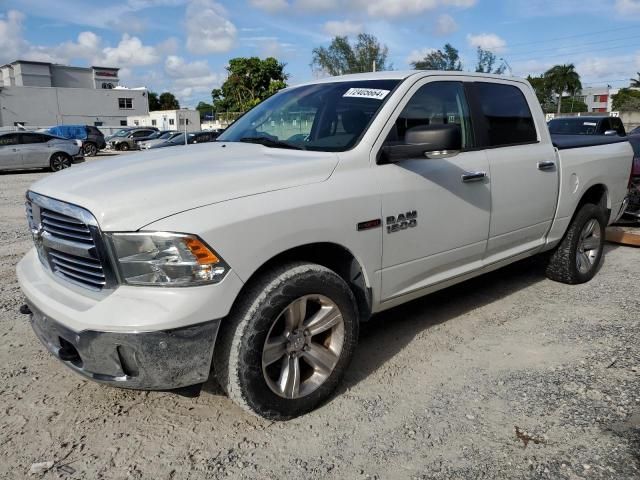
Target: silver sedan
20	150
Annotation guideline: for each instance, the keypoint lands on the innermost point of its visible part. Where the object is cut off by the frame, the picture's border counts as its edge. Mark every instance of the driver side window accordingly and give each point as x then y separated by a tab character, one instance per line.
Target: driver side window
434	104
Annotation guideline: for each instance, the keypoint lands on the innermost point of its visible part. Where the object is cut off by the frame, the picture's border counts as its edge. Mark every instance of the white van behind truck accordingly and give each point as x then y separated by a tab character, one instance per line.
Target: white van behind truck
259	255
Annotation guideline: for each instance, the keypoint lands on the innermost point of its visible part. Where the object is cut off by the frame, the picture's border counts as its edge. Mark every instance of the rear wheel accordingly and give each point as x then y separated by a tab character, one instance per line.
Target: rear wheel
59	161
286	347
577	258
89	149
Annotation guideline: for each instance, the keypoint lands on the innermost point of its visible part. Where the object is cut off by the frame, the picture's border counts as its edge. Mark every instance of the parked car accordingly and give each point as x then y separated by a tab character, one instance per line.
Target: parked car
587	126
193	137
146	144
633	209
635	131
126	139
92	138
20	150
401	187
154	136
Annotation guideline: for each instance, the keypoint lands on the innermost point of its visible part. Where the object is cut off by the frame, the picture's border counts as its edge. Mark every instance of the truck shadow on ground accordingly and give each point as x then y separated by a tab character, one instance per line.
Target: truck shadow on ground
387	333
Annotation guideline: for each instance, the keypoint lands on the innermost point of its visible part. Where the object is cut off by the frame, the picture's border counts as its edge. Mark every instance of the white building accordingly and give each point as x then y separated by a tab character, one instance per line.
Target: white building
168	120
39	94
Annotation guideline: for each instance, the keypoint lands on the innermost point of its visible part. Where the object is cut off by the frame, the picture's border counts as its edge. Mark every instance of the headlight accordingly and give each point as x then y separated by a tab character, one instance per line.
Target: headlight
165	259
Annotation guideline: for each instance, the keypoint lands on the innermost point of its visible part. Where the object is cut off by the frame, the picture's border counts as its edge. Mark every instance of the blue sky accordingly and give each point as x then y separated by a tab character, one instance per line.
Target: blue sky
184	45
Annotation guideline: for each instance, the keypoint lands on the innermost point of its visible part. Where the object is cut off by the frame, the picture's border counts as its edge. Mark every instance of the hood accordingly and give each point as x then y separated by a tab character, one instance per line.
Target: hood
131	191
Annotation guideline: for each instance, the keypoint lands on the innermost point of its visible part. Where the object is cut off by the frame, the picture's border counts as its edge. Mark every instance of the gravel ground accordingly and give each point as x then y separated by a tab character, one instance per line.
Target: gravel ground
506	376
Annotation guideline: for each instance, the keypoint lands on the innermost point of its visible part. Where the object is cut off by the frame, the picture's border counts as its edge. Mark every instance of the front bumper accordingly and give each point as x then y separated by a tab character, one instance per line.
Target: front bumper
159	360
138	337
79	158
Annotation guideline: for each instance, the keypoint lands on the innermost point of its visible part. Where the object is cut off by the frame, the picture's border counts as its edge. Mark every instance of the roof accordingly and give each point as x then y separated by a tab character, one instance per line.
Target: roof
403	74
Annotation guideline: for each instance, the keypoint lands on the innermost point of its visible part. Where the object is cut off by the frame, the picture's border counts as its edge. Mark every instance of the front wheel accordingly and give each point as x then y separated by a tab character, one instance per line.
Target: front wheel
123	147
59	161
577	258
286	347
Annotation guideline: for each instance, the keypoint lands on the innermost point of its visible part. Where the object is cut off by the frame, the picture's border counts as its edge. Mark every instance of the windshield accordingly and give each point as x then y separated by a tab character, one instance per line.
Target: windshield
330	117
166	135
121	133
572	127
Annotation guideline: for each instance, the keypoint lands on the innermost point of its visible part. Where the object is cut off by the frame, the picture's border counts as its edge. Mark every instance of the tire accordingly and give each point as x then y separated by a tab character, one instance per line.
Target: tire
261	380
577	258
59	161
90	149
123	147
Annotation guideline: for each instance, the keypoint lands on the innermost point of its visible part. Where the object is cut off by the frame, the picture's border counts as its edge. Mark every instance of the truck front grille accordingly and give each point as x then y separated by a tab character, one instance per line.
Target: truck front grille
69	242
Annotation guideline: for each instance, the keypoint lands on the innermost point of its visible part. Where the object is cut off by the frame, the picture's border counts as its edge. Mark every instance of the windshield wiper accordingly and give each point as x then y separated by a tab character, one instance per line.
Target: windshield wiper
270	142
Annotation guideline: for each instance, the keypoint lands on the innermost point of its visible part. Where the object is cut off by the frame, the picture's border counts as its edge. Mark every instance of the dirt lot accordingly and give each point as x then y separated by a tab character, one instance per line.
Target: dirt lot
506	376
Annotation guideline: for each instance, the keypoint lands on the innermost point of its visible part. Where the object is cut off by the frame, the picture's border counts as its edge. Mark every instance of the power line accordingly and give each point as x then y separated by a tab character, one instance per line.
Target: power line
625	39
635	27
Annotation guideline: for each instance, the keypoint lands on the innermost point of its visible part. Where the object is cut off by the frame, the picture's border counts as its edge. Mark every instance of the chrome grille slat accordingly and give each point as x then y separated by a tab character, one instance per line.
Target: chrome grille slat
61	233
86	262
62	217
69	242
78	270
88	281
67	226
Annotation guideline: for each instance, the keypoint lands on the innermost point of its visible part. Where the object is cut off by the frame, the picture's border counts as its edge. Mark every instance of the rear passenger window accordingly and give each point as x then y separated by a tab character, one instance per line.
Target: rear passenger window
507	115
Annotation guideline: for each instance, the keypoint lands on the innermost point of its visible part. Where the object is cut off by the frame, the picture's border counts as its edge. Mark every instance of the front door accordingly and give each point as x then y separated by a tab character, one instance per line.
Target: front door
10	155
436	211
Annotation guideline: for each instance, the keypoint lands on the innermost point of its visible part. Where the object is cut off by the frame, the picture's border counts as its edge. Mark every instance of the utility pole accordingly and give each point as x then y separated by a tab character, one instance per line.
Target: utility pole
374	65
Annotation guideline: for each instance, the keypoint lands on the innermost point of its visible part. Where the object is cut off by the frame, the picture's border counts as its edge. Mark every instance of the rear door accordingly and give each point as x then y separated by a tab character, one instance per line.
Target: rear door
35	152
522	164
10	151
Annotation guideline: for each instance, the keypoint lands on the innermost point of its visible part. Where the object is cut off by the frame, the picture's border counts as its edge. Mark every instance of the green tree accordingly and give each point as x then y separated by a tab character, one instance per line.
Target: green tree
486	62
341	57
626	100
249	81
168	101
573	105
544	92
205	109
563	78
635	82
445	59
154	103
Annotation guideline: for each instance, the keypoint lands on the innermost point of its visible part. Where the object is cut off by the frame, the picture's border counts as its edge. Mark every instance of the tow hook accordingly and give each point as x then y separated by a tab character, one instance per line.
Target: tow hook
25	310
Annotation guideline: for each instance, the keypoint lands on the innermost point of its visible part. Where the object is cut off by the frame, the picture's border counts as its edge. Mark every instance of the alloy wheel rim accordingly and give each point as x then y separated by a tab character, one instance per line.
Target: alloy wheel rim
589	244
90	150
303	346
59	163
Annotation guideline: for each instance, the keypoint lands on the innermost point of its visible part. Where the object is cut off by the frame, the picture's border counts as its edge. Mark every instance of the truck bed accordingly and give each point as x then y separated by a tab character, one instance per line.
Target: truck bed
565	142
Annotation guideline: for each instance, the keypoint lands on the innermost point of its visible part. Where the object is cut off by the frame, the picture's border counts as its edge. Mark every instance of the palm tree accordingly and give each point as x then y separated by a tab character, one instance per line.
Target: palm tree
635	82
563	78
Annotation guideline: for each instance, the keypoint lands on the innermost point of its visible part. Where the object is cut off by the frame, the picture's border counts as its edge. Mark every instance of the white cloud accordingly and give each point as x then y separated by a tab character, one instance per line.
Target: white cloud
190	78
337	28
130	52
487	41
445	25
208	29
419	54
11	42
270	5
628	7
396	8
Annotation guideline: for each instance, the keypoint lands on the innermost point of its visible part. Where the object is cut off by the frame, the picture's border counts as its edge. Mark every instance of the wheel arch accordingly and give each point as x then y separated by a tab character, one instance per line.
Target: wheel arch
597	194
332	256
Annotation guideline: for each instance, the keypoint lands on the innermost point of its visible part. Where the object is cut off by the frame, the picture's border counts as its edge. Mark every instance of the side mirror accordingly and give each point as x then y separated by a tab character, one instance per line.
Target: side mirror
421	141
609	133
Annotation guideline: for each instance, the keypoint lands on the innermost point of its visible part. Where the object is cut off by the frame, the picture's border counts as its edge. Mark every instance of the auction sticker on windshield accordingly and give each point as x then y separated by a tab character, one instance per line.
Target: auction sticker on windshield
375	93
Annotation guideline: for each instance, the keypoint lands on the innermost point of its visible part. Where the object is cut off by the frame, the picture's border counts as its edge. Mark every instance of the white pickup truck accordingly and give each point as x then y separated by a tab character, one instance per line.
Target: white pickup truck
256	257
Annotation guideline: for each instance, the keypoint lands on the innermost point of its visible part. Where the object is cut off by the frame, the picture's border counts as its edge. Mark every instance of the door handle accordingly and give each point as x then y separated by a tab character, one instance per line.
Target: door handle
468	177
546	165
